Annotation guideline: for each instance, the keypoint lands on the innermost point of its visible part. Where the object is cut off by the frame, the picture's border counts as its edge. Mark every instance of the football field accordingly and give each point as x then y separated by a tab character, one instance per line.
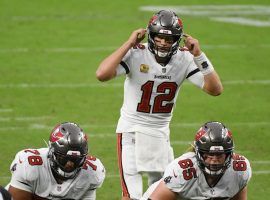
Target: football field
50	50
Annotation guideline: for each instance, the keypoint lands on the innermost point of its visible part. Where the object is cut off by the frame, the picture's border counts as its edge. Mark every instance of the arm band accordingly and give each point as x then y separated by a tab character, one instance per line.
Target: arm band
204	64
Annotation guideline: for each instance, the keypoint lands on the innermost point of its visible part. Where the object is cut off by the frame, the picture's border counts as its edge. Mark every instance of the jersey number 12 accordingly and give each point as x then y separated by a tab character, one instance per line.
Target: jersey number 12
158	105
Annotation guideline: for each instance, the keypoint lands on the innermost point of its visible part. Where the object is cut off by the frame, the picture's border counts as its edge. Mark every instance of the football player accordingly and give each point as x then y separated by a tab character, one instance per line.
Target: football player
64	170
211	171
154	73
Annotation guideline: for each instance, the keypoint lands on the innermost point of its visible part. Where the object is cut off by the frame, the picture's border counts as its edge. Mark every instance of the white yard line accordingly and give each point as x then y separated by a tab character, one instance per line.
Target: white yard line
115	85
58	50
213	10
5	110
26	118
102	49
221	13
243	21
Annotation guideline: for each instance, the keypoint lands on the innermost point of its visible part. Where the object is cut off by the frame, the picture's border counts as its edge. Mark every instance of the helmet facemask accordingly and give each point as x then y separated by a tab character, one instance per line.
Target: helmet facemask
59	164
164	52
213	169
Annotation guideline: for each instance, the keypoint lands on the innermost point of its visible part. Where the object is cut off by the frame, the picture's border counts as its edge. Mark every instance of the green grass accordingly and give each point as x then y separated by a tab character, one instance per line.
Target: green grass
61	43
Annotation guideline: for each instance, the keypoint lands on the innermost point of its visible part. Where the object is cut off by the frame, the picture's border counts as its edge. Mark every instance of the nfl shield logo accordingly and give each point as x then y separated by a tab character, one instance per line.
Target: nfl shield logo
59	188
163	70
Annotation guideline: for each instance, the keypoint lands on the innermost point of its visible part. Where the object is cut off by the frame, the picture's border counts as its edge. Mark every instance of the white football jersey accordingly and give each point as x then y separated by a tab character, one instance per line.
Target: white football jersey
183	176
31	172
150	90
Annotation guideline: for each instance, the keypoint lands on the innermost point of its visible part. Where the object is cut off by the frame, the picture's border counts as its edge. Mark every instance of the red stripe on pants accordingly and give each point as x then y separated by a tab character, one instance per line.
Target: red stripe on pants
125	192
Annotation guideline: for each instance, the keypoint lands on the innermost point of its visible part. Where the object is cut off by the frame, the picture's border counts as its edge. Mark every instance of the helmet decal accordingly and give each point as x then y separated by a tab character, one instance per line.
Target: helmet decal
56	134
180	22
229	133
152	19
200	133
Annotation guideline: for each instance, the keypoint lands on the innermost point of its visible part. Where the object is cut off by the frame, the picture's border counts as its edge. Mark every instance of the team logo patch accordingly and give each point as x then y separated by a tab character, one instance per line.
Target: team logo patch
144	68
14	167
167	179
204	65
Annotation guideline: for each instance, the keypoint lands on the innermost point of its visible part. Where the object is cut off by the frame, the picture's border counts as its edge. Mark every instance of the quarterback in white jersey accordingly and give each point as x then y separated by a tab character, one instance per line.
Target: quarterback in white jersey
150	90
201	174
154	73
61	171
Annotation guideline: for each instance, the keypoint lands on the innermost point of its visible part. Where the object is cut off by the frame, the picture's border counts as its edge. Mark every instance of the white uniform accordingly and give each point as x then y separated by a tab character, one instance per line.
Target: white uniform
31	172
184	177
150	90
150	93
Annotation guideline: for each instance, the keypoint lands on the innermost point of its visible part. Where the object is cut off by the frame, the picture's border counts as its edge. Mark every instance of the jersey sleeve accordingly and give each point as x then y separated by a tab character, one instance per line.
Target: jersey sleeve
243	168
100	173
23	175
96	172
180	173
173	178
123	67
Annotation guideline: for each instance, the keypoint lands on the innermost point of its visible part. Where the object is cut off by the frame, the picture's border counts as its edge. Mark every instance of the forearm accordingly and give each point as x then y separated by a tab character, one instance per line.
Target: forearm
212	84
19	194
107	68
242	195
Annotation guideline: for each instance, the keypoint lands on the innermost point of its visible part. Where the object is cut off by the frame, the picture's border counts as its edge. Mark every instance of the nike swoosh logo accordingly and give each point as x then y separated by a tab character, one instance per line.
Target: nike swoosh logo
174	174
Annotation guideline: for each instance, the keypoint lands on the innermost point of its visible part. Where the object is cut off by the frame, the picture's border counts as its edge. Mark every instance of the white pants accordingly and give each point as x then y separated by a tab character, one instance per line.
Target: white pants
131	178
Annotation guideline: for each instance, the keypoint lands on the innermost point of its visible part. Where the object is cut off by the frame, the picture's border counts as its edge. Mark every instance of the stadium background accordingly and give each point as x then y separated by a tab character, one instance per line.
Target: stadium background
49	52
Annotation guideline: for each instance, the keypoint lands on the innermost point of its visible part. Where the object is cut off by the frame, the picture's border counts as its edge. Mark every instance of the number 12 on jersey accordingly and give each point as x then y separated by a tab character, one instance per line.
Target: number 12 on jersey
158	104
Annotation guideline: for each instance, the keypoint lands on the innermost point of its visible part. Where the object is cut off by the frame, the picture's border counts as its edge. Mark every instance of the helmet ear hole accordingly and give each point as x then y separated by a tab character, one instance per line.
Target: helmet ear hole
176	38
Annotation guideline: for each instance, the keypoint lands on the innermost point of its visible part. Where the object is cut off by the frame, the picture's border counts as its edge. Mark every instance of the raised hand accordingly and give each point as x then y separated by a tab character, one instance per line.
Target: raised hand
191	45
137	36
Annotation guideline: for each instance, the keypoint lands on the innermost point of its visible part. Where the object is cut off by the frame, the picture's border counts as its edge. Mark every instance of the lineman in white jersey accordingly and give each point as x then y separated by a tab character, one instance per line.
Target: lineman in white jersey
154	74
211	171
64	170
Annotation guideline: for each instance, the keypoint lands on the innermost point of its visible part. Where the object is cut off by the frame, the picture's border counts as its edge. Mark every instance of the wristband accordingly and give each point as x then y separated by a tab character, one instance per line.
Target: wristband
204	64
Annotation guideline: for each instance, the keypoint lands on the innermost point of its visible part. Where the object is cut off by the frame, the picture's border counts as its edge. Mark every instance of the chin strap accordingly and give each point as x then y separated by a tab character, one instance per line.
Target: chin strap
161	54
215	173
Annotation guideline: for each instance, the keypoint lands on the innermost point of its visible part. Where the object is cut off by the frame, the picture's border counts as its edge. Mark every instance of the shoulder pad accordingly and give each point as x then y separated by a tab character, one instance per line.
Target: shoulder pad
95	168
241	166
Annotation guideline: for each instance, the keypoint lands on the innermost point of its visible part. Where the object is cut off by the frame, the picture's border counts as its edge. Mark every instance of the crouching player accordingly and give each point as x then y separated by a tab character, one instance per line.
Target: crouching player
64	170
210	171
